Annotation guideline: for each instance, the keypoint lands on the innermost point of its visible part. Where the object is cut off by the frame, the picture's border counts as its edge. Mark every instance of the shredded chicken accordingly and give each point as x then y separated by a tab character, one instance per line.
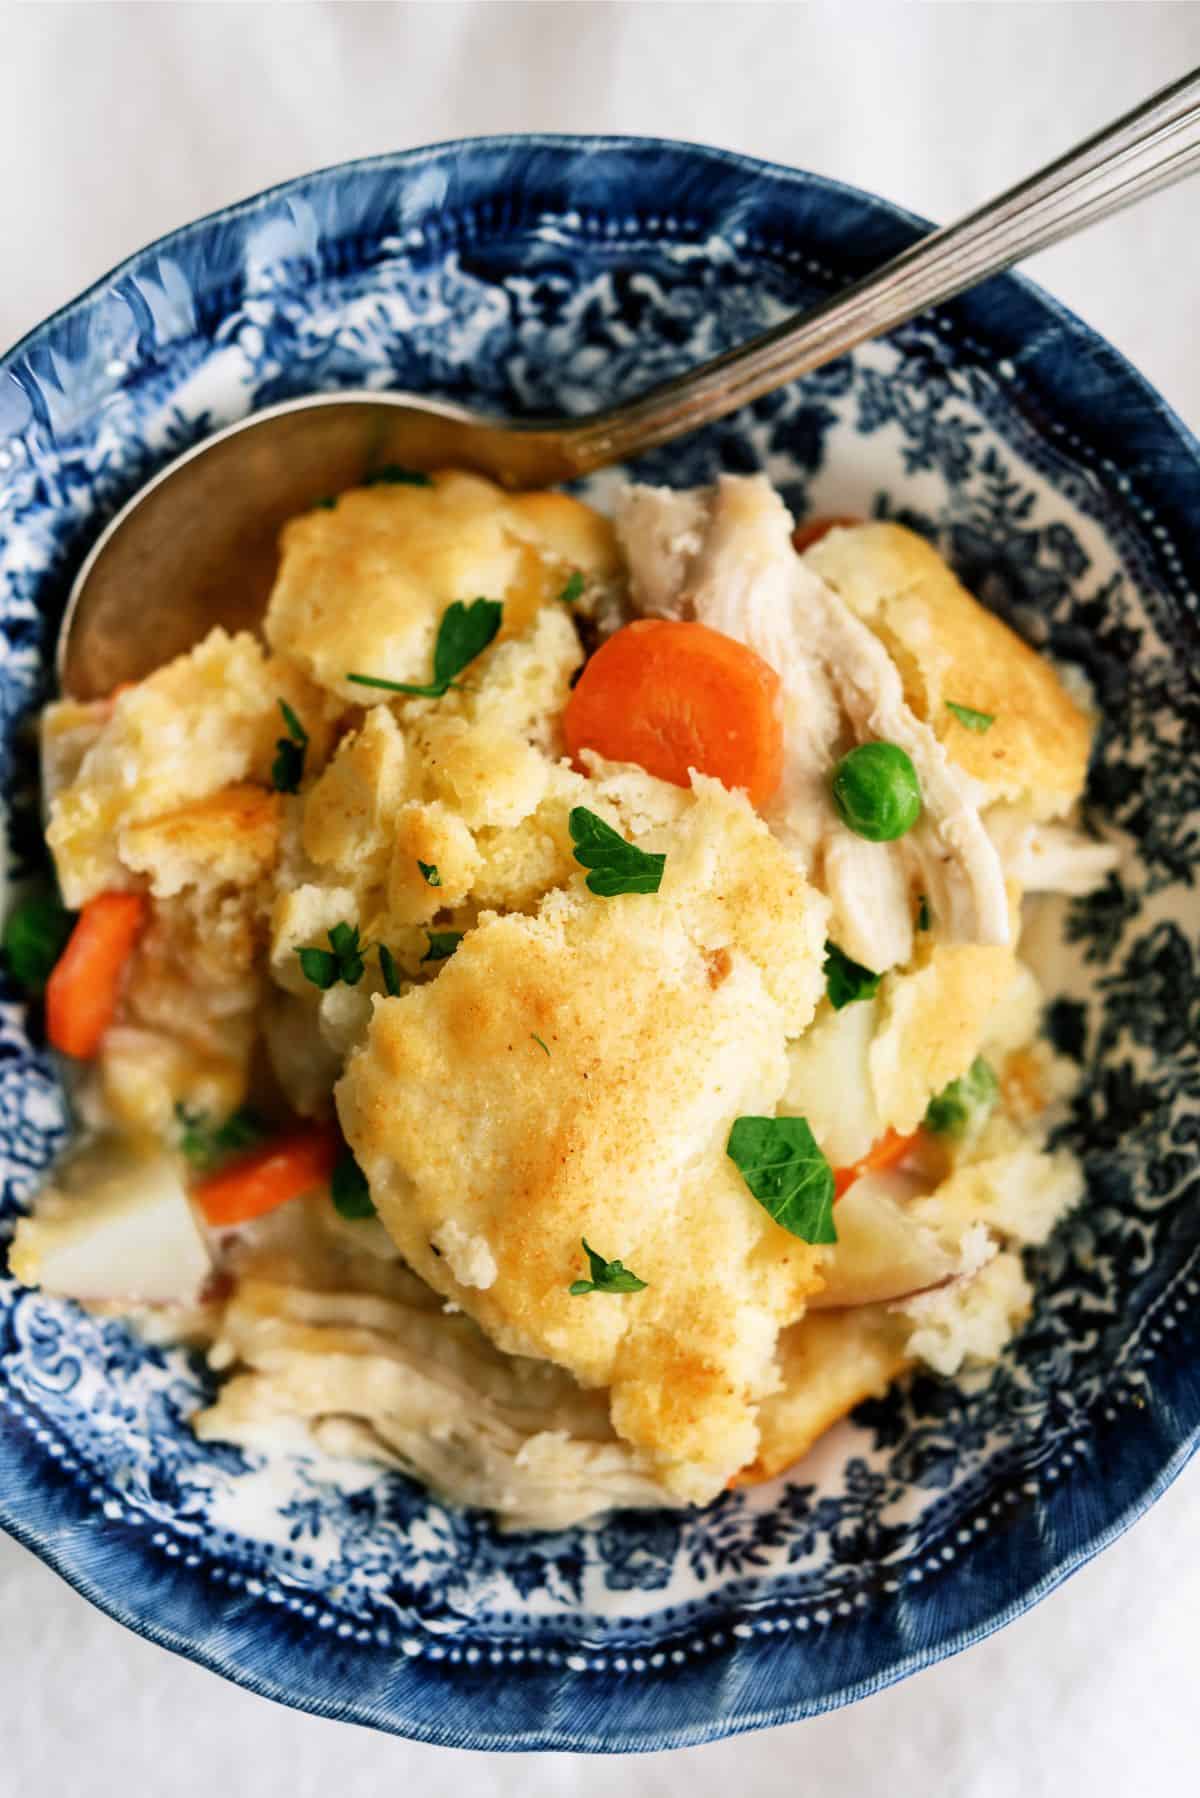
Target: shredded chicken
725	557
1048	858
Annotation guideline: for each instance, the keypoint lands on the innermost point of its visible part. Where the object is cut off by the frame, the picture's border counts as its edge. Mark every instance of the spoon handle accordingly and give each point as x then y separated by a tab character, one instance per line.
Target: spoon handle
1154	146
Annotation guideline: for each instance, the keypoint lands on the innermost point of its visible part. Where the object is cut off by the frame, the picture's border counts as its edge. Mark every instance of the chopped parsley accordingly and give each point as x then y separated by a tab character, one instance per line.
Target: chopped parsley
573	589
607	1276
287	770
35	935
325	504
617	866
463	634
785	1170
206	1145
846	980
429	871
442	944
924	915
390	972
958	1106
537	1039
343	960
976	721
393	475
349	1190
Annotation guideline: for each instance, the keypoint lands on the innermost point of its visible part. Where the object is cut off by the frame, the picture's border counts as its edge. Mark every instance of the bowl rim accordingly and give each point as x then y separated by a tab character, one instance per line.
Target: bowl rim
422	1709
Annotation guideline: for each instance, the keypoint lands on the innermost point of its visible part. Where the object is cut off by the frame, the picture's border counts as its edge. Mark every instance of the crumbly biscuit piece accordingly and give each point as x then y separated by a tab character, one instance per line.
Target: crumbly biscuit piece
228	838
206	721
665	1016
363	585
949	647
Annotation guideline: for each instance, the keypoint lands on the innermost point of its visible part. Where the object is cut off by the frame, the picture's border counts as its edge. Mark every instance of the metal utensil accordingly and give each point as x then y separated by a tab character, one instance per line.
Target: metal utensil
197	546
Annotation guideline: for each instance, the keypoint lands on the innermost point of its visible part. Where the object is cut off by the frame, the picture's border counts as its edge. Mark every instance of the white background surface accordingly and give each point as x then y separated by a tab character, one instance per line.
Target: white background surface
120	122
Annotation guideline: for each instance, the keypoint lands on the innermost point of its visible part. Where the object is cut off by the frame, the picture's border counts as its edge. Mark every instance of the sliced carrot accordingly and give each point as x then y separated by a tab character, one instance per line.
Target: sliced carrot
268	1177
805	535
672	696
83	990
889	1151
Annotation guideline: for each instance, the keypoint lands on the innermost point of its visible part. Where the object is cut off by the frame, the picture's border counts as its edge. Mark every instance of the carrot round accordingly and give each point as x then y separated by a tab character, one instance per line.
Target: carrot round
268	1177
805	535
889	1151
83	990
674	696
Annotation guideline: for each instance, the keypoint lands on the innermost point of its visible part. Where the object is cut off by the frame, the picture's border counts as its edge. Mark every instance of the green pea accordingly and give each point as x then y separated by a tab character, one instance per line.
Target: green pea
876	790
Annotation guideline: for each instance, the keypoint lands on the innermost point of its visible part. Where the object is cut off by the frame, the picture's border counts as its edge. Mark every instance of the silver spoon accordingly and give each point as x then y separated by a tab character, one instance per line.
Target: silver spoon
197	546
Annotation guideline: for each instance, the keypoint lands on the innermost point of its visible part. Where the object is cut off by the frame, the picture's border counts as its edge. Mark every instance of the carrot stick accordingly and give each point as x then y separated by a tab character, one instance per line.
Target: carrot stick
674	696
891	1149
268	1177
83	990
805	535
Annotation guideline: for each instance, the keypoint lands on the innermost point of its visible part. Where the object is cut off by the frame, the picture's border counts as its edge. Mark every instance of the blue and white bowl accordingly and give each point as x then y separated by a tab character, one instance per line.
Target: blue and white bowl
531	273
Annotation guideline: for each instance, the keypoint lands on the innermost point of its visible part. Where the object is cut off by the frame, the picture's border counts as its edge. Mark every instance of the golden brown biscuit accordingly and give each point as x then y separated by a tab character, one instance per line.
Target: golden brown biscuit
363	585
828	1363
230	837
663	1017
949	647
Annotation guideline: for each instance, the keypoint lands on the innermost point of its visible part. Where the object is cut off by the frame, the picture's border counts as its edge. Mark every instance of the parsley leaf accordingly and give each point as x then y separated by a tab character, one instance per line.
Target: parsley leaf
958	1106
573	589
206	1144
976	721
430	872
393	475
343	960
537	1039
846	980
325	504
607	1276
463	634
618	866
442	944
787	1173
390	972
349	1190
35	935
924	915
287	771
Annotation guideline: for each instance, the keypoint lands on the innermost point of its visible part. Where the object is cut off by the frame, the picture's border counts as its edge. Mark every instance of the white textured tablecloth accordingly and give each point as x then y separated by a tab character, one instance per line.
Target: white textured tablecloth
120	122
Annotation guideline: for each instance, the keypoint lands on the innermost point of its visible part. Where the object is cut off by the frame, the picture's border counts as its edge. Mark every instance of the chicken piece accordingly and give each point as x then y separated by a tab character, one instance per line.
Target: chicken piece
726	558
664	1017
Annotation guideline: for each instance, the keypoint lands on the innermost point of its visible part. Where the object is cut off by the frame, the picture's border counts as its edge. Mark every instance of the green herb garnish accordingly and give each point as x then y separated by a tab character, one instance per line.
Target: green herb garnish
463	634
846	980
393	475
781	1164
976	721
537	1039
952	1111
617	866
430	872
343	960
206	1144
442	944
607	1276
875	788
35	935
287	770
924	915
349	1190
325	504
573	589
390	972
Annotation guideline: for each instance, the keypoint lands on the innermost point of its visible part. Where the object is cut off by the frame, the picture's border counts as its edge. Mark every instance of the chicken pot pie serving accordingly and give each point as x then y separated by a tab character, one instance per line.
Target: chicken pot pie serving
550	1016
